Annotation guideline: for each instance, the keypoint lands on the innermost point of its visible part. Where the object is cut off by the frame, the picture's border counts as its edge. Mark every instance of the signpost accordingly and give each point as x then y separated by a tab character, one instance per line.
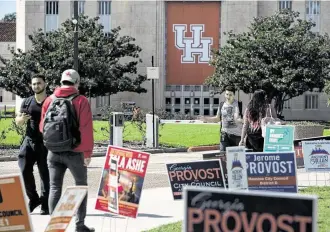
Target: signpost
152	74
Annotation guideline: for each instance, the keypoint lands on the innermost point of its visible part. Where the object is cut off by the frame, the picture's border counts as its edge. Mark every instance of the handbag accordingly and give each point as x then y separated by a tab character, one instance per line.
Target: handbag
268	121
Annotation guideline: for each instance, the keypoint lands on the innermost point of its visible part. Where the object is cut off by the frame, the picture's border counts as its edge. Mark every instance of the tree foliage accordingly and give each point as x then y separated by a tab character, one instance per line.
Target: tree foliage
107	64
279	54
9	17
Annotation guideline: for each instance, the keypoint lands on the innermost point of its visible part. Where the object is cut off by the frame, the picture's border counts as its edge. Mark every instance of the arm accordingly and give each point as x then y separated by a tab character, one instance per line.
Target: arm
237	117
214	119
86	127
245	126
21	117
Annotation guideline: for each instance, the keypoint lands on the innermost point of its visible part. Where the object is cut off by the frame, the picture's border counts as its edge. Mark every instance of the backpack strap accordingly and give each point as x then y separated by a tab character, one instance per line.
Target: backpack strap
220	107
240	107
27	102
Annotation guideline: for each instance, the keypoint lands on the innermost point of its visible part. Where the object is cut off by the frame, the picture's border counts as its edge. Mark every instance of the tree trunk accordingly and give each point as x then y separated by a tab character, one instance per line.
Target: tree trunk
279	105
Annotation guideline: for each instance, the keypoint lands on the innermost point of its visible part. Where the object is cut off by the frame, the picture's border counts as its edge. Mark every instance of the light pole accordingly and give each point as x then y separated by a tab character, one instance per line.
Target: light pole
75	38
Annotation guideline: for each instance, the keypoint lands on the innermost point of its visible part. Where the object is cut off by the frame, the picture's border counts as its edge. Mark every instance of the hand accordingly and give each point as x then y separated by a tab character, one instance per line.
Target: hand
201	118
241	143
87	161
26	117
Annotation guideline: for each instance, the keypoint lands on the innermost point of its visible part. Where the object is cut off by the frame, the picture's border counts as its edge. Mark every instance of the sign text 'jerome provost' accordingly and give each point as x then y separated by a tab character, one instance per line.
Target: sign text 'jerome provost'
219	210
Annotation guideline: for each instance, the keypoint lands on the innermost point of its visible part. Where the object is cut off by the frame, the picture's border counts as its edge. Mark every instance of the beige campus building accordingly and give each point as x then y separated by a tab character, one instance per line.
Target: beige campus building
168	30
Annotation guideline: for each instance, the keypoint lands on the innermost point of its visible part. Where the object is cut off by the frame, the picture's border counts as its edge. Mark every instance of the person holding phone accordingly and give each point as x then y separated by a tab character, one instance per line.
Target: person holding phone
32	148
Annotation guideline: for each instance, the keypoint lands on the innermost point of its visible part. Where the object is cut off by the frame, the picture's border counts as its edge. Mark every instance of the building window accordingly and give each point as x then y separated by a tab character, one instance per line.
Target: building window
198	88
285	4
196	111
0	98
206	101
81	7
13	97
196	101
168	101
187	101
186	111
51	19
215	111
215	101
168	110
206	112
104	12
311	101
51	7
187	88
313	7
177	101
313	14
104	7
177	110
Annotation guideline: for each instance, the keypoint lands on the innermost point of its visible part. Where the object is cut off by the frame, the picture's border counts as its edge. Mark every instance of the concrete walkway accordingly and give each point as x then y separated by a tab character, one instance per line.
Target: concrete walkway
157	207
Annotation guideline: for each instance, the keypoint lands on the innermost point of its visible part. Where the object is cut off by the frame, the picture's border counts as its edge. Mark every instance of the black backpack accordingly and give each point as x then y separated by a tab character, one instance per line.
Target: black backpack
61	126
240	107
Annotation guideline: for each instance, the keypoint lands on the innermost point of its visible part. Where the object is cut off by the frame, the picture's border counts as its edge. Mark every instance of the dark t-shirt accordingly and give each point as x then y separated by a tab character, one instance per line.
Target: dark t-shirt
34	110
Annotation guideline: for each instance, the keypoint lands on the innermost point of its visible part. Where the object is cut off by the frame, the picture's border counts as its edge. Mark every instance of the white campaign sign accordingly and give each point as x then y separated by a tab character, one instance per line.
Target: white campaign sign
316	155
236	168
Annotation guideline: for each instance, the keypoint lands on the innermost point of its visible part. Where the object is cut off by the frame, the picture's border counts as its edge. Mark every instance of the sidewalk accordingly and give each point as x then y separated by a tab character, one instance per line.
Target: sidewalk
157	207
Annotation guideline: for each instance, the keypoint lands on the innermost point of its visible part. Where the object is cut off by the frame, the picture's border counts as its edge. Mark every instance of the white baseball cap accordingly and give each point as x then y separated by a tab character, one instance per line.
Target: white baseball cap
70	75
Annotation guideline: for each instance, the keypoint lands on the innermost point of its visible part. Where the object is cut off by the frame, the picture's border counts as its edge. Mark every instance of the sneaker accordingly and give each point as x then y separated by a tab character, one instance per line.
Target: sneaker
84	229
44	212
33	205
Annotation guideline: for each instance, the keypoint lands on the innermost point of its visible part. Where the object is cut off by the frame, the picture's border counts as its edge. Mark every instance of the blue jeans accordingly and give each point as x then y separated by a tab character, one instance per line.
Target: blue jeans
57	164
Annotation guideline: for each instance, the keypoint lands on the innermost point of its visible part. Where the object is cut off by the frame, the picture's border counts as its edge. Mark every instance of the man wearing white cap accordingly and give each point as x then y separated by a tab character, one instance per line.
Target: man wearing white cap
67	127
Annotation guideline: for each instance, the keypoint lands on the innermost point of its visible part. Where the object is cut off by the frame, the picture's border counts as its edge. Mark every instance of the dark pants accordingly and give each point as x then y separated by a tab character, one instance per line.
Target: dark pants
228	140
32	152
58	163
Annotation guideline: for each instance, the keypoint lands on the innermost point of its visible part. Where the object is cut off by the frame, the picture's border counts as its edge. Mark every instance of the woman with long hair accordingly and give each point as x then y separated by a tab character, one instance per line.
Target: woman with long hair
257	109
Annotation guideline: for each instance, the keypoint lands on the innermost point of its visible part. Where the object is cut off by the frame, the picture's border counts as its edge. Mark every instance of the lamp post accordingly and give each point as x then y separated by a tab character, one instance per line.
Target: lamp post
75	38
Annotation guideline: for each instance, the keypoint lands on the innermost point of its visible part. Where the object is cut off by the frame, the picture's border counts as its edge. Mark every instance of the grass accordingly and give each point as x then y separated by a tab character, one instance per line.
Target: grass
176	135
323	194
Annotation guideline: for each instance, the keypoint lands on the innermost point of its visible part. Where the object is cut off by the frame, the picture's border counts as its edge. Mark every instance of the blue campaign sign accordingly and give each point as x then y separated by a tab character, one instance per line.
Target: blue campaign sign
272	171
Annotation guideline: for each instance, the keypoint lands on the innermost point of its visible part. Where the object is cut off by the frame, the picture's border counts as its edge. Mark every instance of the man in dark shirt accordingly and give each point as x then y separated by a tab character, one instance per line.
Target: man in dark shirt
32	149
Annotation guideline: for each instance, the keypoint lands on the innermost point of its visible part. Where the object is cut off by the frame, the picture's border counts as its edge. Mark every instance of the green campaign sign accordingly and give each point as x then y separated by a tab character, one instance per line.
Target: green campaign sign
279	138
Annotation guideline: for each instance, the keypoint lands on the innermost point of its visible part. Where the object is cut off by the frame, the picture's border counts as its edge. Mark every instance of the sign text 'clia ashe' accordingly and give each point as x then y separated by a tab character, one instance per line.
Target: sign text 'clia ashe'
218	210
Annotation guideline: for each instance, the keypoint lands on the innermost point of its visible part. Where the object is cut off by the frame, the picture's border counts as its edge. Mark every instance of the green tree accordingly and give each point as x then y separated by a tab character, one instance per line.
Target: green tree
9	17
279	54
107	64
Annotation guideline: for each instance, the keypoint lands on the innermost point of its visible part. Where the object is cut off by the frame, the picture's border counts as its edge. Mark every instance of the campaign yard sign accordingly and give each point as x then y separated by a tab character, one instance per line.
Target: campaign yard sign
14	213
274	171
196	173
216	209
122	179
236	168
66	208
279	138
316	155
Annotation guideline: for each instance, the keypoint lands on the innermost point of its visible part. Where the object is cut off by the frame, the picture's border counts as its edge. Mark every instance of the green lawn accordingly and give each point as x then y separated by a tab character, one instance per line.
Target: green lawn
323	194
178	135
